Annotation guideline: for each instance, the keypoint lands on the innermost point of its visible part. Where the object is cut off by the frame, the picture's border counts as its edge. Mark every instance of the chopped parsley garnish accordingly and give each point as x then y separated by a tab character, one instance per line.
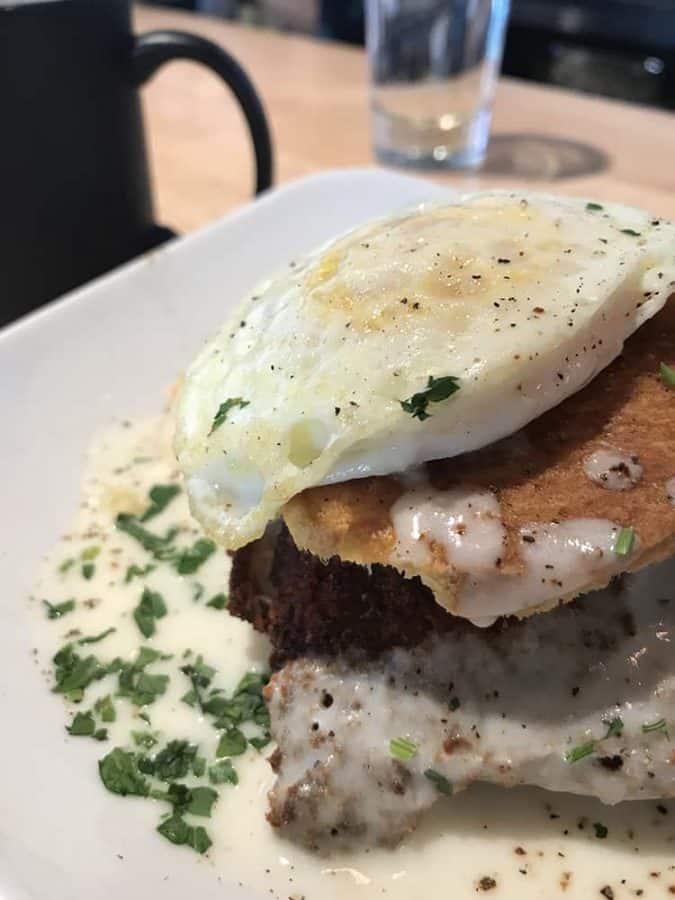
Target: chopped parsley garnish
201	801
88	571
439	781
201	676
119	773
185	560
667	374
188	560
630	232
160	497
83	725
601	831
174	761
437	389
150	608
198	766
402	748
75	673
67	564
135	571
105	709
90	553
158	546
219	601
232	743
624	541
224	409
594	207
454	704
144	739
94	639
580	752
134	682
176	830
660	726
614	728
223	772
56	610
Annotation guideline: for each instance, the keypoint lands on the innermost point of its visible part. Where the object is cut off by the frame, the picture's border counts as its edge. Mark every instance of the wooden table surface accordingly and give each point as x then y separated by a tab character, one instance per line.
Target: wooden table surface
315	94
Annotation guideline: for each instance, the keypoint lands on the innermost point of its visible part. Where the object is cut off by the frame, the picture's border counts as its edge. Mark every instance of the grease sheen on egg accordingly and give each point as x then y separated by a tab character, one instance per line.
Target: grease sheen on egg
522	297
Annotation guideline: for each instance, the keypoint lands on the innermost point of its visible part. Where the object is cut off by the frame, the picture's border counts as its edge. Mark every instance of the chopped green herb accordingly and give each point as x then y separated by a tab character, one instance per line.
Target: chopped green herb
437	389
176	830
198	766
135	683
135	571
145	717
594	207
56	610
147	655
402	748
199	671
120	774
454	704
197	591
188	560
160	497
97	637
105	708
67	564
219	601
223	772
149	688
232	743
624	541
630	231
90	553
88	571
150	608
175	760
583	750
261	741
601	831
667	374
614	728
157	545
199	839
201	801
224	409
660	726
74	673
439	781
83	725
144	739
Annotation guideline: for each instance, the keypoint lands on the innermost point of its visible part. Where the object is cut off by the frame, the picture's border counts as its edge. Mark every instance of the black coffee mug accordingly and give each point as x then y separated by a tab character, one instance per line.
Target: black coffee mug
75	195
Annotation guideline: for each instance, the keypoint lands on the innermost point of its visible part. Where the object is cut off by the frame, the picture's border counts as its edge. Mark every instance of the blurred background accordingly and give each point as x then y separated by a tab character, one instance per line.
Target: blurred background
615	48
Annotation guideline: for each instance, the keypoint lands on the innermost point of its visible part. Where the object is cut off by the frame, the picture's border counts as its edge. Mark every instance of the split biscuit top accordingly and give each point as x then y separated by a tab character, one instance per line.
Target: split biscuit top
582	493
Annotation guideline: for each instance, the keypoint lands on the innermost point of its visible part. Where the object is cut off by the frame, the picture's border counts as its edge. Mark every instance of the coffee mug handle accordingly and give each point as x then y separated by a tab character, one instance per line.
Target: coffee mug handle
155	48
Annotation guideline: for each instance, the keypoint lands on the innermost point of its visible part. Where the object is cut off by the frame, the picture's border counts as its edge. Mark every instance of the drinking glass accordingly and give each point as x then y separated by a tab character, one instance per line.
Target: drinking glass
434	67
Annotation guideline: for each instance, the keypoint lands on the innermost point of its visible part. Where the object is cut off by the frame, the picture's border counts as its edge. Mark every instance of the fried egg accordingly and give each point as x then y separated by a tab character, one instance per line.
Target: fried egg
417	337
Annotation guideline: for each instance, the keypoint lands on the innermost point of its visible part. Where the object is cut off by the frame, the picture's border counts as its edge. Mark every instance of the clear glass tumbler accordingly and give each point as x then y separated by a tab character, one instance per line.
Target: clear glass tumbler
434	66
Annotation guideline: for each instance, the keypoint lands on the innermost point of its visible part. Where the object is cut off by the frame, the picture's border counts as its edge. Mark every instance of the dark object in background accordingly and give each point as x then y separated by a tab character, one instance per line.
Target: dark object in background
617	48
74	182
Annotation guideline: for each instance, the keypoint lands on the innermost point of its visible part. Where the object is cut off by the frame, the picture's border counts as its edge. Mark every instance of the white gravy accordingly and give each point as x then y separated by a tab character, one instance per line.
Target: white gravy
522	844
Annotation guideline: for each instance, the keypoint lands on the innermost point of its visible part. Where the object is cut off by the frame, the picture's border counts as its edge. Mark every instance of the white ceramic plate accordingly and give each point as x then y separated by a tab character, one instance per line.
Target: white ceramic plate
107	351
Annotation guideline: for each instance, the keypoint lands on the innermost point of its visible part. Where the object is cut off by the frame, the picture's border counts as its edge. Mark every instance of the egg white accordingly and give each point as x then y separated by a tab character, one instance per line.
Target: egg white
522	297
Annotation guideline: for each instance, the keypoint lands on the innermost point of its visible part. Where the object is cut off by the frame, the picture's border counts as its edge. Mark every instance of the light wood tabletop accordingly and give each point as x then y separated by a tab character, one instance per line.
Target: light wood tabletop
316	96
